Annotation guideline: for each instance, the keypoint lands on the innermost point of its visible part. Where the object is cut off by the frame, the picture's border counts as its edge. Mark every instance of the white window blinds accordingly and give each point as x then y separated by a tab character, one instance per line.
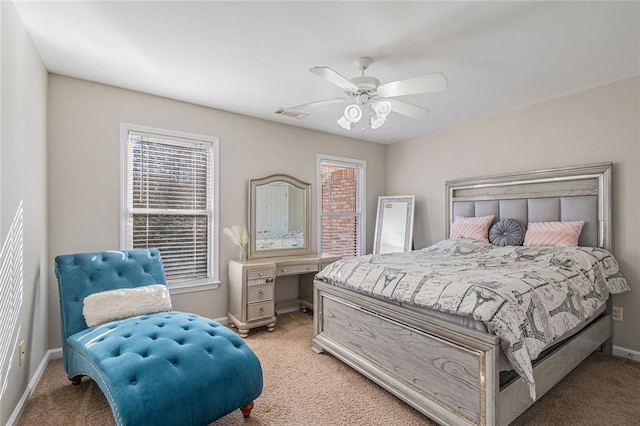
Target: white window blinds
170	202
341	207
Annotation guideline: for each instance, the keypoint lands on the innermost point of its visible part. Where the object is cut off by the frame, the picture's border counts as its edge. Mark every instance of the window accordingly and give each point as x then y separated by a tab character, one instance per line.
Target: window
170	198
11	289
341	205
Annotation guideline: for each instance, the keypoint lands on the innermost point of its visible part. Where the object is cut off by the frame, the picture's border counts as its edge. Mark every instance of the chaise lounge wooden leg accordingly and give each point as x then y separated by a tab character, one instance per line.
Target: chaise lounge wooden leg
76	380
246	409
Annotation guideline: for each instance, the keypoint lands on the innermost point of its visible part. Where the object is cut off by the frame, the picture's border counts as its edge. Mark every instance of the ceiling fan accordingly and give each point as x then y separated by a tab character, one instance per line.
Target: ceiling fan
369	96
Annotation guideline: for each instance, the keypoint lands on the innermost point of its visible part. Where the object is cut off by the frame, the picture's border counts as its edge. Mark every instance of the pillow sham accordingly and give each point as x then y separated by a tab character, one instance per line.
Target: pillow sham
507	232
112	305
557	234
475	228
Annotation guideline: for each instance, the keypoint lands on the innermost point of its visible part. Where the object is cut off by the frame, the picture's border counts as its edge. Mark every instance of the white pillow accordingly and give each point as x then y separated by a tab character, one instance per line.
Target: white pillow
111	305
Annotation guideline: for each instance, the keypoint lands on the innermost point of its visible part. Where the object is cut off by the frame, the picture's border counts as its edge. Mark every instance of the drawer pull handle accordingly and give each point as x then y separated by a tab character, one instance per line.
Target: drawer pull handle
284	269
308	268
262	309
261	294
261	273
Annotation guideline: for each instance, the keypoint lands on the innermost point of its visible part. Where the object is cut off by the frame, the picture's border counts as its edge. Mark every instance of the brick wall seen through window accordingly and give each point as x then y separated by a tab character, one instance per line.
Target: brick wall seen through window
341	207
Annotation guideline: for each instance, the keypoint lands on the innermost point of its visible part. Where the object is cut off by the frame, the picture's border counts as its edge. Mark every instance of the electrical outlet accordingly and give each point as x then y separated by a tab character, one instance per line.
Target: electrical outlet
617	313
21	353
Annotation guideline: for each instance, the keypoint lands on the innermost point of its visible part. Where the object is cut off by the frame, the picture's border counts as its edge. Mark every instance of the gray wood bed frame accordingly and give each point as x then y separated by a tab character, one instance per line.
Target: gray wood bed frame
450	372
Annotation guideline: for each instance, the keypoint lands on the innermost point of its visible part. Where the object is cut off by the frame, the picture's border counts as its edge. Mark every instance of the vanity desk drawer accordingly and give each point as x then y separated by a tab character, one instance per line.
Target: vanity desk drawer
256	273
259	293
295	269
260	310
259	281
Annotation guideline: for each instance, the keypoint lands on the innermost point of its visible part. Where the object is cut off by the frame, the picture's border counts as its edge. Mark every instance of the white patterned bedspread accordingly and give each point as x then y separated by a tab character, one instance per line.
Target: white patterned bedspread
527	296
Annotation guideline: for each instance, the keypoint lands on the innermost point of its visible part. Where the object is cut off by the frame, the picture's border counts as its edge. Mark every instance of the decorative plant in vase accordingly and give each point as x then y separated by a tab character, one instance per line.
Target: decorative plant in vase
239	236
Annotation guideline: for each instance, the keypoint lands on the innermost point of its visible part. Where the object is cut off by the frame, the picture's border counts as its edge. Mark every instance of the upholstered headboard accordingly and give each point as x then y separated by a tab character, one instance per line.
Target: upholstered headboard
565	194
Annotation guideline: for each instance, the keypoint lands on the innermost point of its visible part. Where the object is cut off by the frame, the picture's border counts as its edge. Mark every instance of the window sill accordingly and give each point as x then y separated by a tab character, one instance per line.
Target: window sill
182	288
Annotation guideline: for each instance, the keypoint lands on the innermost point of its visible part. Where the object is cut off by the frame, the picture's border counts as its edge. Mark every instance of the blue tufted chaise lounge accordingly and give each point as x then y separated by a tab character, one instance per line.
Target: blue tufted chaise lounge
166	368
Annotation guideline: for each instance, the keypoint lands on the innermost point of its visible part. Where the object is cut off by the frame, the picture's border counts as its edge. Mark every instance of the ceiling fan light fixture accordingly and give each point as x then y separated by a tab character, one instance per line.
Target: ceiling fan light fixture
347	125
376	121
353	113
382	109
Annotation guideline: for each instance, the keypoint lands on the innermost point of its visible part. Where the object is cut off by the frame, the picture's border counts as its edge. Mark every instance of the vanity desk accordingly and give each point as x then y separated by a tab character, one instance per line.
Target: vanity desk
279	246
252	287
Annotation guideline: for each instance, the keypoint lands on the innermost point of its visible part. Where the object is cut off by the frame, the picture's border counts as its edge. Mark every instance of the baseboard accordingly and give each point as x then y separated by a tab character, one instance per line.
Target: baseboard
35	379
55	353
287	309
288	306
222	320
626	353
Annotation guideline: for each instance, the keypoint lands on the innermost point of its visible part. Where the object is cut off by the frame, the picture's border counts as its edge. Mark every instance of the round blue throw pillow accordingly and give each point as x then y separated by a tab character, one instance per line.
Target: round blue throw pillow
507	232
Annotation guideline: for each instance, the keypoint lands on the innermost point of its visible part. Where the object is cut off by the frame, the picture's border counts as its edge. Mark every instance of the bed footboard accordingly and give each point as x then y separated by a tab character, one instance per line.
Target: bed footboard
447	372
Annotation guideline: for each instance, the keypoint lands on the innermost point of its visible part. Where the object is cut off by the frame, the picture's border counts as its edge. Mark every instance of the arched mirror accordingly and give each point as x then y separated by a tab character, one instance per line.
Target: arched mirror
394	224
279	216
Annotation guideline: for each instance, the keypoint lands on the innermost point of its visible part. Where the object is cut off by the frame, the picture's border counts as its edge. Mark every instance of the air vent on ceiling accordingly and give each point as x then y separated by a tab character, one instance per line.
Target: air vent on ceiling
291	113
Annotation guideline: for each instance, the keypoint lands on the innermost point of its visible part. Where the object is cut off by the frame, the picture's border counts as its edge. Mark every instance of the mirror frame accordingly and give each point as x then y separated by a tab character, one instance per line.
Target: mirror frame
408	231
306	216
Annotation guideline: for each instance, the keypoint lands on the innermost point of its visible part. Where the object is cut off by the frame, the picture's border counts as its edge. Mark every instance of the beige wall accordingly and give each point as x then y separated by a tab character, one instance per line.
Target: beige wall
23	91
84	170
597	125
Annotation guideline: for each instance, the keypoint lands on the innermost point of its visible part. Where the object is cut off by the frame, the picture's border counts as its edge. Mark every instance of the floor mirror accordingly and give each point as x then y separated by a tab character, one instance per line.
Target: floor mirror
394	224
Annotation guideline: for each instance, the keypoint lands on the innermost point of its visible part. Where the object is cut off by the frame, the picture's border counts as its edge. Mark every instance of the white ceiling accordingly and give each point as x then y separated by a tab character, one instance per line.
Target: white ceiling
253	57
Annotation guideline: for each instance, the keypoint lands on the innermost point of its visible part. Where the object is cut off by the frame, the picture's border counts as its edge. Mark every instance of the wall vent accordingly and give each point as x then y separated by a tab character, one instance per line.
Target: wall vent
291	113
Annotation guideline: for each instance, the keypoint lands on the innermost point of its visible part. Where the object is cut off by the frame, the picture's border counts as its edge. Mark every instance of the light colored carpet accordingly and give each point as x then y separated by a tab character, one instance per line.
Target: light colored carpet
304	388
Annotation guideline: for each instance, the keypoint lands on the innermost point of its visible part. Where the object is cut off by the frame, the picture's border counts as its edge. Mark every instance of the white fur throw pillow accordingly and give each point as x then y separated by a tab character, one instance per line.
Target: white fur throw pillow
111	305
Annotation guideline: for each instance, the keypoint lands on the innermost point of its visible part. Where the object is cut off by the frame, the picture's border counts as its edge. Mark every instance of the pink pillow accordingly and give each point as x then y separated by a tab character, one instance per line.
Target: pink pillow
475	228
558	234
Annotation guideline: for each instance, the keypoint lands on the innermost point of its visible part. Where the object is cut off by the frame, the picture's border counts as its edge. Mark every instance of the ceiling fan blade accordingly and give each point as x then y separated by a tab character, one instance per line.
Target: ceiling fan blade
425	84
333	77
408	109
319	103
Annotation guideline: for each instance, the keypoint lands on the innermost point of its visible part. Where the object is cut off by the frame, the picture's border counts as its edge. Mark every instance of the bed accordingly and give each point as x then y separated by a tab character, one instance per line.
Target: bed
446	365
